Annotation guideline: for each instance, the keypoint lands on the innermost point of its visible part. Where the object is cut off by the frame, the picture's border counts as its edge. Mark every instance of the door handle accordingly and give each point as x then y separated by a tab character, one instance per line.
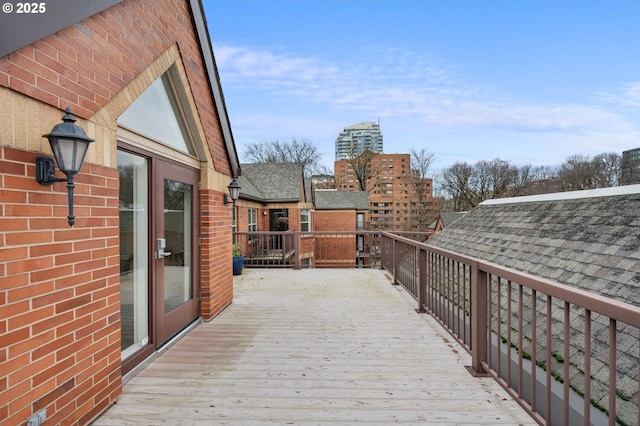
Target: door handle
161	244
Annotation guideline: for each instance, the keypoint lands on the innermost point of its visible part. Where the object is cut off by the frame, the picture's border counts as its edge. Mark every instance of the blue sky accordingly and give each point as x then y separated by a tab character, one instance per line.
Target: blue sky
524	81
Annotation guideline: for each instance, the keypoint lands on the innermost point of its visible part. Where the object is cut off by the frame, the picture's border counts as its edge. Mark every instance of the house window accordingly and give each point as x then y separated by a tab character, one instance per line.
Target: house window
305	222
360	221
252	215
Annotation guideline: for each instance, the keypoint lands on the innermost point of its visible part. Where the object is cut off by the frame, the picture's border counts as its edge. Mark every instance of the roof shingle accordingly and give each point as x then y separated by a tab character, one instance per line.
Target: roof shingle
592	242
271	182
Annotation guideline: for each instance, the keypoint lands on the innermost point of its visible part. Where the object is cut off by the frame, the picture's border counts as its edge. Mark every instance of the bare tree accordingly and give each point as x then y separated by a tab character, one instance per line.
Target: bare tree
364	173
492	179
577	172
422	212
608	166
455	181
534	180
300	151
469	185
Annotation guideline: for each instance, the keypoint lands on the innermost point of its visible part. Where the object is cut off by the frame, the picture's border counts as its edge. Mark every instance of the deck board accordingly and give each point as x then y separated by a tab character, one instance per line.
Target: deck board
314	347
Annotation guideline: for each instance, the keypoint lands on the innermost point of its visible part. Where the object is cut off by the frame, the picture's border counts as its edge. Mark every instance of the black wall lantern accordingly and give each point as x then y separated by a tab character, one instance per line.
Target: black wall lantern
69	144
234	190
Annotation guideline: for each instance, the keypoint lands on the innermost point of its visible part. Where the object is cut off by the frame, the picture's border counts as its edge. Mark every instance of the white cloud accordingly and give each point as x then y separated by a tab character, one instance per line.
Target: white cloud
403	84
628	96
416	93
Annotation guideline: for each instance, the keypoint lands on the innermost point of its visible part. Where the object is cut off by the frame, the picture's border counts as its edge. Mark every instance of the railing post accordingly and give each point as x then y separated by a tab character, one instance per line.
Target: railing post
422	280
296	249
395	261
479	323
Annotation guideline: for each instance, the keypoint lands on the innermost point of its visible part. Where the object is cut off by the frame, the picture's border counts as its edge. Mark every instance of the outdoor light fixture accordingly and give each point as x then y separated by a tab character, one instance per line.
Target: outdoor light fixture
234	191
69	144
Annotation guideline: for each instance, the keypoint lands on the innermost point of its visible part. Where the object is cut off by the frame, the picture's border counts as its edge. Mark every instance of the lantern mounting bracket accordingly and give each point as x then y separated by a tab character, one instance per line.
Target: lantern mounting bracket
45	171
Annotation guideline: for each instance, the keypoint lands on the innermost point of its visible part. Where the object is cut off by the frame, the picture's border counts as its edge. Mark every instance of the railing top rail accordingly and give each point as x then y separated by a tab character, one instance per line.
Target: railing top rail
611	308
307	232
468	260
604	305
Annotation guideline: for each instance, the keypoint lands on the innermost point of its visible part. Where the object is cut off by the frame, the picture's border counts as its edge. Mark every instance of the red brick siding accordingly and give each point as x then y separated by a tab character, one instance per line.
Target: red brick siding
217	280
334	220
59	286
59	310
335	250
86	65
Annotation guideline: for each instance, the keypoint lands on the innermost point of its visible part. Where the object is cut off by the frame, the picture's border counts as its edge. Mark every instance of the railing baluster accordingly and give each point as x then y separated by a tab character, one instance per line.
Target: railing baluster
498	325
520	339
509	329
587	367
613	328
465	310
534	349
448	290
422	279
567	340
548	360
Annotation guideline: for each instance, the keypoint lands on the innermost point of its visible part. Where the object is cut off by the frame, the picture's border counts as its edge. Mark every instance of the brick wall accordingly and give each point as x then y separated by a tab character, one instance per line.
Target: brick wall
216	253
59	301
59	286
87	65
335	250
334	220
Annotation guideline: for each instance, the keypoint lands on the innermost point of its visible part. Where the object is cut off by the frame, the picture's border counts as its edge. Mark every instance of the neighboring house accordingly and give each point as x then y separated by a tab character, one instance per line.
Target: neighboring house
337	211
277	194
273	197
445	219
82	306
587	239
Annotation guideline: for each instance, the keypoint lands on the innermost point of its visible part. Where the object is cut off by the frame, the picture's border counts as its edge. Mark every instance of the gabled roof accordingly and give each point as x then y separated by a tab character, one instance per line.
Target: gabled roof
587	239
272	182
24	29
341	200
447	219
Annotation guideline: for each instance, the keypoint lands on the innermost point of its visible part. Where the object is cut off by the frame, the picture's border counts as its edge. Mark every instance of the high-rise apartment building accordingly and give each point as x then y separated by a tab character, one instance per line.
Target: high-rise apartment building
356	139
630	167
399	200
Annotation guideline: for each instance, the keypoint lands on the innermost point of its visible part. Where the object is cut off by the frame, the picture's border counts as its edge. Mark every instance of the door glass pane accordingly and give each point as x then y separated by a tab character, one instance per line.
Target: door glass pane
178	234
134	264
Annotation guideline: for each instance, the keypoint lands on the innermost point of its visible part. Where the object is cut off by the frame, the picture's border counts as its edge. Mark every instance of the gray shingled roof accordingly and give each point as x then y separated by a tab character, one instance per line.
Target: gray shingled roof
341	200
585	239
448	218
590	240
272	182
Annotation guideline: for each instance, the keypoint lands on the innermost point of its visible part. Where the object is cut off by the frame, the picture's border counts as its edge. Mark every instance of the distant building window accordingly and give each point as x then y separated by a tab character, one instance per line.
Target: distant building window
305	221
253	220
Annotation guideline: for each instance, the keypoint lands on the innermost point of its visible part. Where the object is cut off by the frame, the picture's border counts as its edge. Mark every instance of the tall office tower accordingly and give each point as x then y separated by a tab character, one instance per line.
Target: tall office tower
356	139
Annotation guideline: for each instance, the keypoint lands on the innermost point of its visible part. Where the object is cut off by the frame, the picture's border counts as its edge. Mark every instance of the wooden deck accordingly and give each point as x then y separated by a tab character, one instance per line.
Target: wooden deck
314	347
